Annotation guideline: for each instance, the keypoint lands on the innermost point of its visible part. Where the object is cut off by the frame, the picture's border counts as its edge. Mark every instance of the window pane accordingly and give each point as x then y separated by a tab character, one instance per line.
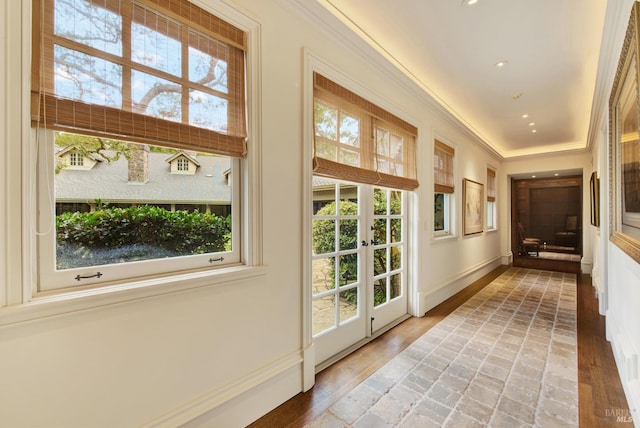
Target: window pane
324	236
380	291
396	230
324	313
396	202
103	219
155	41
348	199
396	257
396	286
83	77
379	261
349	130
208	111
323	274
326	121
380	231
438	218
348	234
156	97
348	304
88	24
348	269
379	202
207	62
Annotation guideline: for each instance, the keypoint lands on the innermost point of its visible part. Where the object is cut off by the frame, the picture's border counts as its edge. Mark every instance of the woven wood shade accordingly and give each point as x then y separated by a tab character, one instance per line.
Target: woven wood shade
362	142
491	185
193	72
443	168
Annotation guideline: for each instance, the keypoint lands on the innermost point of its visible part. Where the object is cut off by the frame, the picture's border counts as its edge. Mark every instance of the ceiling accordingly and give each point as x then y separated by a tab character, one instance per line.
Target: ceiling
451	49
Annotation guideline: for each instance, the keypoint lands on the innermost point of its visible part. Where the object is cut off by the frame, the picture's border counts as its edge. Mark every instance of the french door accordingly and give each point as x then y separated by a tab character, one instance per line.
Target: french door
358	262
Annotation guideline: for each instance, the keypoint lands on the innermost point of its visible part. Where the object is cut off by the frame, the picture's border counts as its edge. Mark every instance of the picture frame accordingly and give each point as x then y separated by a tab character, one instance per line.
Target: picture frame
473	209
595	199
624	146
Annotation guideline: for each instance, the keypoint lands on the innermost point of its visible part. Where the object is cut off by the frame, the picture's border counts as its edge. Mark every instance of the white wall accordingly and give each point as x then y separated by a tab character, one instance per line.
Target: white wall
227	353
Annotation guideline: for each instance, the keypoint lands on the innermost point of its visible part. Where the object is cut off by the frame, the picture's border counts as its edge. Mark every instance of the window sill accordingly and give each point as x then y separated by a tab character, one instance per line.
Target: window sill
50	304
443	238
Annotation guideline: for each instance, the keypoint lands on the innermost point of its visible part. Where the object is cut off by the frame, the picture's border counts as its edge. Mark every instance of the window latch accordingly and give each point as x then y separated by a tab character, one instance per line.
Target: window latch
211	260
97	275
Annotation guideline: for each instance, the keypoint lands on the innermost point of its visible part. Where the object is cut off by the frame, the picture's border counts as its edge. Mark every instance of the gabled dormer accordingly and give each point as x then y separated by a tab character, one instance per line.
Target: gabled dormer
70	158
183	163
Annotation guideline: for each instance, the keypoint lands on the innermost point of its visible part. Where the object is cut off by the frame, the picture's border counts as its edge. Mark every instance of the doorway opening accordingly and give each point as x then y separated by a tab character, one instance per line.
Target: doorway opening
546	220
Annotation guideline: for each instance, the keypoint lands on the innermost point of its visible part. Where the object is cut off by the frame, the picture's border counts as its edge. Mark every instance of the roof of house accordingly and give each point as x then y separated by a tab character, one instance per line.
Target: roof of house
108	181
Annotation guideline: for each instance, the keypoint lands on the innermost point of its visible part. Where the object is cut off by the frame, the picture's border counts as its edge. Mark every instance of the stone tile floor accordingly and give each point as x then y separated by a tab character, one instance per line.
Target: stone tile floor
505	358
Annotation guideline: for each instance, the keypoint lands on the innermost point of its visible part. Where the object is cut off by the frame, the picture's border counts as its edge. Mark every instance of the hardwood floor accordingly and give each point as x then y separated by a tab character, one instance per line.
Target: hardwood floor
600	391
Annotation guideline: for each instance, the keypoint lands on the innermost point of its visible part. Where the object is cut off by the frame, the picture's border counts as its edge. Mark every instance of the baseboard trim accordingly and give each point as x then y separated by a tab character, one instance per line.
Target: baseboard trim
627	359
219	396
445	289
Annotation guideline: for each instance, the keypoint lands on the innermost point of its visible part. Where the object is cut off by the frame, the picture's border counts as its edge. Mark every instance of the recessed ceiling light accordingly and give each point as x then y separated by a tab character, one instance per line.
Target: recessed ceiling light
501	64
524	116
532	123
533	176
556	174
534	131
470	2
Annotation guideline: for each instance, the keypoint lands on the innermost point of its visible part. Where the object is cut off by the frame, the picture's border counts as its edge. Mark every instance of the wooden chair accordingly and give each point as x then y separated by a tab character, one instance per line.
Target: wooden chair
528	245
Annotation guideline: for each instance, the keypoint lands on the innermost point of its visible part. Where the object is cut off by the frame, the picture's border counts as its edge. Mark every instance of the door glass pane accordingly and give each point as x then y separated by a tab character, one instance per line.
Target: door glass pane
348	234
348	304
324	313
379	291
395	207
348	269
396	286
324	236
379	261
396	230
380	231
348	199
396	257
379	202
323	274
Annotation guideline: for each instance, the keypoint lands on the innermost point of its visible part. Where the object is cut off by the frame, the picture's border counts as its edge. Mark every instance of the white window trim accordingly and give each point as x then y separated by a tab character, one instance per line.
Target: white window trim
19	301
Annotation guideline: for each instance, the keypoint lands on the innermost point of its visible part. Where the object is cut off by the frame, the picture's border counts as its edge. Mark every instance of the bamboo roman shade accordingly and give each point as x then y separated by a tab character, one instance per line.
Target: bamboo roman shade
357	141
443	168
491	185
146	71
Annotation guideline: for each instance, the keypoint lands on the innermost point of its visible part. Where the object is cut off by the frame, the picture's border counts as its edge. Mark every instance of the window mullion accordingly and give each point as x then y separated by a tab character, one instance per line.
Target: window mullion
127	20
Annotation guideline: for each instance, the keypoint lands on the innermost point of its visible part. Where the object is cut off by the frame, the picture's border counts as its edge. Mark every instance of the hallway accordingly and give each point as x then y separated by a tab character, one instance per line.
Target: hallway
601	398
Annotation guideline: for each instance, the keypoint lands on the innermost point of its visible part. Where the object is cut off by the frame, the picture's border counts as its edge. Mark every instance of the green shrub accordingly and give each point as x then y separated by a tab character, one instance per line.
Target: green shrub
175	233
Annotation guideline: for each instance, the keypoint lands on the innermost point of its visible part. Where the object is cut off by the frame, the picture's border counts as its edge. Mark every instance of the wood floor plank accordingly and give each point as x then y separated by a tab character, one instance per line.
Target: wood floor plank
600	391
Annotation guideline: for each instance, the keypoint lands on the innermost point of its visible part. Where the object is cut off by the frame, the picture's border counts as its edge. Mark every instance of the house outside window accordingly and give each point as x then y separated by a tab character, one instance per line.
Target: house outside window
155	81
443	156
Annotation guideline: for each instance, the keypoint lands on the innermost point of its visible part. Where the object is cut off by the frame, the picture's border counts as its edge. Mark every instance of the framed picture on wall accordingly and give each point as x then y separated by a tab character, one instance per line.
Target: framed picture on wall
624	146
473	212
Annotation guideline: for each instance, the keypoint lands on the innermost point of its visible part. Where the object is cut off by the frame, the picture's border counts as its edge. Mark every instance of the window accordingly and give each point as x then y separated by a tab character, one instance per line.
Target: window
342	150
443	187
491	199
132	83
183	164
76	159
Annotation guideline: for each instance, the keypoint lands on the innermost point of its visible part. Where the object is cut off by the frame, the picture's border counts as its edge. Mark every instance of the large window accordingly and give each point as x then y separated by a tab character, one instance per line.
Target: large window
135	86
491	199
443	188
